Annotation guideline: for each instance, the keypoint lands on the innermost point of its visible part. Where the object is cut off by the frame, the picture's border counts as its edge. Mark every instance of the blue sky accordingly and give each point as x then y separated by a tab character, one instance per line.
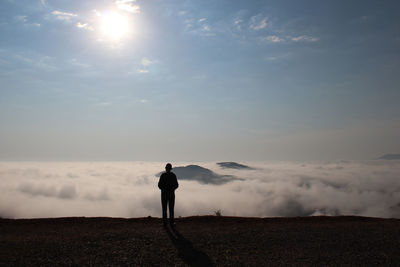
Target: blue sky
199	80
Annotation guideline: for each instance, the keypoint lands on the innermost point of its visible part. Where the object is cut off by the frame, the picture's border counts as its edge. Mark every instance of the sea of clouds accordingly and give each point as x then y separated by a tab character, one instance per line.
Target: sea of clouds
129	189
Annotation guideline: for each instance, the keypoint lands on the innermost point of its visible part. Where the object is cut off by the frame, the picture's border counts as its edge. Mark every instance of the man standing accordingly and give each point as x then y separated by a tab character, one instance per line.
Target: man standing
167	184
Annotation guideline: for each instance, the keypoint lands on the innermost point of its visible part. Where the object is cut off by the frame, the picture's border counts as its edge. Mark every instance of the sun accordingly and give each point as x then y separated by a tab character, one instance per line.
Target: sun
115	25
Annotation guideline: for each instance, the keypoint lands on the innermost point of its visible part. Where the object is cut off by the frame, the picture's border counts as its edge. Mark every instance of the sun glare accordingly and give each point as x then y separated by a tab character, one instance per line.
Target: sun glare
115	25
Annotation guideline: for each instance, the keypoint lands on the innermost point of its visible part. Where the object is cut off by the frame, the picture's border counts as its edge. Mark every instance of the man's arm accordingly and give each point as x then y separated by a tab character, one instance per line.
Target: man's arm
161	182
176	185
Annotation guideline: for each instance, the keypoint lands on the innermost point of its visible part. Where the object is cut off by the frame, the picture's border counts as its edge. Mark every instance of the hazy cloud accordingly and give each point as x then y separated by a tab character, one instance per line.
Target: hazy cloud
272	39
238	23
24	20
258	22
67	191
21	18
146	62
304	38
60	15
85	26
37	190
128	5
101	195
76	63
199	26
288	39
35	61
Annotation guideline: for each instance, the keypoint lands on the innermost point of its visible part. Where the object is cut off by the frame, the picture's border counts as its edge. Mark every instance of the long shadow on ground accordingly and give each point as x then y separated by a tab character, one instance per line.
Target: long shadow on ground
186	251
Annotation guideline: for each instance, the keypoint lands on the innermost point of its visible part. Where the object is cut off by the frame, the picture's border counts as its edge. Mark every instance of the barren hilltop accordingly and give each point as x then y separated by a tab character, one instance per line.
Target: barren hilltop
200	241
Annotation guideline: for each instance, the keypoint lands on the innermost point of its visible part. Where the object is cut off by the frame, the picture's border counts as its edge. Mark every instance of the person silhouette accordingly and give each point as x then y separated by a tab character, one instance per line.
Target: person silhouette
168	183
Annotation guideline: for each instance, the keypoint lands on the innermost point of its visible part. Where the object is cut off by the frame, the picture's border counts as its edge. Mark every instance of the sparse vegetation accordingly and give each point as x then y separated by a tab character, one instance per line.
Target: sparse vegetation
218	213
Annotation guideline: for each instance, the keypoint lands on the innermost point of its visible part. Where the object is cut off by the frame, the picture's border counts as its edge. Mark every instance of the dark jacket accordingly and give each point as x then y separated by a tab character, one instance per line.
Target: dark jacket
168	182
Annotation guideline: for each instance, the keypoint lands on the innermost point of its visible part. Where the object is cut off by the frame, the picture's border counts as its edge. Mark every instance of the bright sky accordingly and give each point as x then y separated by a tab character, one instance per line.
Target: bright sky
199	80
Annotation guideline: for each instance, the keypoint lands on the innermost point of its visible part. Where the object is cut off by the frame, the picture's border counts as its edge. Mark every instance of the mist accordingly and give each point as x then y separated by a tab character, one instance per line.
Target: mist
265	189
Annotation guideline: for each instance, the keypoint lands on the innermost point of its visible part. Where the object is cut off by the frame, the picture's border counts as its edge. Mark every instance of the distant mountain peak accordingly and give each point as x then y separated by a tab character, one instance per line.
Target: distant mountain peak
233	165
390	156
201	175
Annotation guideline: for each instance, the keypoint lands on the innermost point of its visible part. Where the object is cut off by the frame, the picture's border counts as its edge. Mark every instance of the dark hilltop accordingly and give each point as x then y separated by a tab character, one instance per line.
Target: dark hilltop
201	175
201	241
233	165
390	156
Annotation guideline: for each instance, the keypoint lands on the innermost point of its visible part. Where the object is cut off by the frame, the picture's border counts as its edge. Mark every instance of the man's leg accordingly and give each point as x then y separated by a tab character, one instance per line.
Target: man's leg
171	204
164	200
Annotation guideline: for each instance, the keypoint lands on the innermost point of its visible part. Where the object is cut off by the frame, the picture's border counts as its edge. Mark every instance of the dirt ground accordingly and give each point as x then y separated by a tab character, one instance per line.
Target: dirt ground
201	241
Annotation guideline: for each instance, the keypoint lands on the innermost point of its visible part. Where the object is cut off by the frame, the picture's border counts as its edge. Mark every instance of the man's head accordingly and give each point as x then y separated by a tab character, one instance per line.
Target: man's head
168	167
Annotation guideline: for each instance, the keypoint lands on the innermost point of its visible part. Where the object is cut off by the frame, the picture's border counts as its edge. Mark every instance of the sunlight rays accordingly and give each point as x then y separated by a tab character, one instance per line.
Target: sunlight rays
115	26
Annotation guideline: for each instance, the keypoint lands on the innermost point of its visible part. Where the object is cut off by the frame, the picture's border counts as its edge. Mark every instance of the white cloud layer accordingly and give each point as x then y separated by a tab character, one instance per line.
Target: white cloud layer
129	189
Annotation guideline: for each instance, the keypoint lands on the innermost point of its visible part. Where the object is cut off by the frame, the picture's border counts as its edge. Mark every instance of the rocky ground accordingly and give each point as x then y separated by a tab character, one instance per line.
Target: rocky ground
201	241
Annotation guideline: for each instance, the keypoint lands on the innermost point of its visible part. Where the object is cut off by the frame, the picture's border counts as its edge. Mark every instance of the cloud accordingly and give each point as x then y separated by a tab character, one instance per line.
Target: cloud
65	16
67	192
101	195
21	18
104	104
129	189
35	61
128	5
198	27
258	22
85	26
37	190
146	62
288	39
304	38
277	57
272	39
76	63
24	20
206	27
238	23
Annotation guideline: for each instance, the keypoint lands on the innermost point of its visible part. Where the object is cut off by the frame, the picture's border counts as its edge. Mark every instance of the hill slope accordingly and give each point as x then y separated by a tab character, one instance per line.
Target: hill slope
390	156
200	241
